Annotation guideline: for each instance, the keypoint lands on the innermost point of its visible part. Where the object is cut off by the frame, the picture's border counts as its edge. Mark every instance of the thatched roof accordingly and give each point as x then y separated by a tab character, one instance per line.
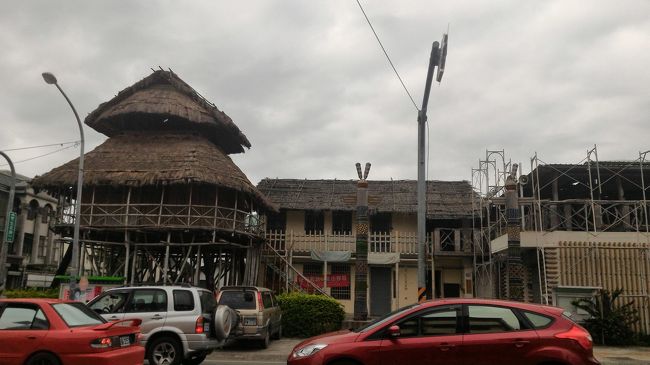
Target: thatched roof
152	158
162	101
445	199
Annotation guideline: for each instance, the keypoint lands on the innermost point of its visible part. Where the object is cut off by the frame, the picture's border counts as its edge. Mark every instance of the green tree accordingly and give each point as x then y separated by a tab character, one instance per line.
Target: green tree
610	323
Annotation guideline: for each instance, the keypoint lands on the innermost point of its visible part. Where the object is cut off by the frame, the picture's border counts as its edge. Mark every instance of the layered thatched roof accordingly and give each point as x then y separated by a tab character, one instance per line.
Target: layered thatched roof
163	101
153	158
445	199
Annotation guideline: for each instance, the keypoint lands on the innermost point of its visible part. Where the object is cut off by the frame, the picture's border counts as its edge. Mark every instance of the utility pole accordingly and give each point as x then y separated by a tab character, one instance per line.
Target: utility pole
7	236
437	58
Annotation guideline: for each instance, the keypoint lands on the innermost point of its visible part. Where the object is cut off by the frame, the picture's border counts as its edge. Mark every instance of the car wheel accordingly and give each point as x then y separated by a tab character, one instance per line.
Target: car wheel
195	359
278	333
224	320
164	351
264	343
43	359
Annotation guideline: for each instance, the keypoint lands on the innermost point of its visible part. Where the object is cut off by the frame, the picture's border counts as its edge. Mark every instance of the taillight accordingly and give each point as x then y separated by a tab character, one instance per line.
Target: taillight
199	325
102	343
578	334
260	303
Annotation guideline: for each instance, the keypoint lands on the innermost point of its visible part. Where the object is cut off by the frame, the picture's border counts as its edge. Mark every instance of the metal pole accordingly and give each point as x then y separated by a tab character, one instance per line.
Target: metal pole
5	243
422	209
74	267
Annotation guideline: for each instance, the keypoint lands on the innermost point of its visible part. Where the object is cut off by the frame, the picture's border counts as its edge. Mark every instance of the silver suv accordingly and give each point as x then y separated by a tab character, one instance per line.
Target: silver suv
180	324
258	310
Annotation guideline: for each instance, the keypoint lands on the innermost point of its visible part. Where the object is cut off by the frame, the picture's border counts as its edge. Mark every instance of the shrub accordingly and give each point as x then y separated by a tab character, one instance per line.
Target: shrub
610	324
32	293
306	315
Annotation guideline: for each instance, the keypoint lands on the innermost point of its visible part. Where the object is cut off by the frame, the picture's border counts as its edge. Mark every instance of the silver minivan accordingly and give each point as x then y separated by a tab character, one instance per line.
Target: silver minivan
180	324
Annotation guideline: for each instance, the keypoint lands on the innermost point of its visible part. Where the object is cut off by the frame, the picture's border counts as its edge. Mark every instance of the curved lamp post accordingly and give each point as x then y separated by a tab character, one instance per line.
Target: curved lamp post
4	241
74	268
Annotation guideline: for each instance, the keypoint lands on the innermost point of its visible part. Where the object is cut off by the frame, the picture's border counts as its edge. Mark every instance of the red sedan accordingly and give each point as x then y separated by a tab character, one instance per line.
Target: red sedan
55	332
455	332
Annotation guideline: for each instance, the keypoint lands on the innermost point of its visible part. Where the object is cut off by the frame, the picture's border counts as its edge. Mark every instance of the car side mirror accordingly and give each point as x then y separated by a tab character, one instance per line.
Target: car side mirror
393	331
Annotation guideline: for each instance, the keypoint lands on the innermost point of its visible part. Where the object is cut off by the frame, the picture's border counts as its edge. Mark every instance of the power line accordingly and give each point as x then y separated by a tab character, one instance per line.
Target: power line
43	155
43	145
387	57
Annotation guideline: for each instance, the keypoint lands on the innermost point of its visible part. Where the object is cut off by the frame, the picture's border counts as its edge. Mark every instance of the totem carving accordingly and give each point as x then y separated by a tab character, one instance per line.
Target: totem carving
361	264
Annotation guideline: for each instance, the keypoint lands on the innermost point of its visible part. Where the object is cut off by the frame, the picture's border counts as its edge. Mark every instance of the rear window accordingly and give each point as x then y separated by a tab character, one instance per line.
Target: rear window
77	314
537	320
208	303
238	299
183	300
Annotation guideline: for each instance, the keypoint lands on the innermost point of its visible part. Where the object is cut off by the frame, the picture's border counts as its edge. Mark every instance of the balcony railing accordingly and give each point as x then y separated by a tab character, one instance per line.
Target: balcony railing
169	216
447	241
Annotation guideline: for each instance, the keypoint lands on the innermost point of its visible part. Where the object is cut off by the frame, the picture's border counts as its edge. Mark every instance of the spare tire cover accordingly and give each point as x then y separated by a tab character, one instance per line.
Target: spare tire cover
224	321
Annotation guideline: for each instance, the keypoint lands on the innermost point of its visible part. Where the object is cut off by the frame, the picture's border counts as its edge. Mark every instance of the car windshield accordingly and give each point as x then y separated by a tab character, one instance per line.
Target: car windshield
238	299
77	314
385	319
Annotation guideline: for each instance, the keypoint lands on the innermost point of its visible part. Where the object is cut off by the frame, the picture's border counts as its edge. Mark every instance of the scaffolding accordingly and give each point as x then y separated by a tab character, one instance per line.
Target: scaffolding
585	223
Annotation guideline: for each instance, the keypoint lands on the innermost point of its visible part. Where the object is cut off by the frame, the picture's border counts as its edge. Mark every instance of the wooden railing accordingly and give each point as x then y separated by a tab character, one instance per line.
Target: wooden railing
447	240
170	216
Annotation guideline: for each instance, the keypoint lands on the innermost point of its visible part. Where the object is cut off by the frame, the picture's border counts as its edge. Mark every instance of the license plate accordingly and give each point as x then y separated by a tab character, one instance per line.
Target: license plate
250	321
125	341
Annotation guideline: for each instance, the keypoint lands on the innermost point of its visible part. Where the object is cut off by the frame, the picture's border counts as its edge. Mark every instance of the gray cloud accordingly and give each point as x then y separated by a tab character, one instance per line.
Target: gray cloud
307	83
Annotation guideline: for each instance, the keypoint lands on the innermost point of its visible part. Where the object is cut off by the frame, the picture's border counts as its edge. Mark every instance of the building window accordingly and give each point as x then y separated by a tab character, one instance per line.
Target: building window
45	214
42	247
276	221
32	211
342	222
340	281
314	273
314	221
380	222
28	243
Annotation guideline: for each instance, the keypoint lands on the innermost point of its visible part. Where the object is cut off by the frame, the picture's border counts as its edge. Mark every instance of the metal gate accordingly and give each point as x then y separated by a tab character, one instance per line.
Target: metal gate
380	290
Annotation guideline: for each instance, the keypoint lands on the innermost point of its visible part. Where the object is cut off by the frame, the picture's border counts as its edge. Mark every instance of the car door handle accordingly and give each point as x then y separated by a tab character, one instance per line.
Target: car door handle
445	346
157	316
521	343
31	337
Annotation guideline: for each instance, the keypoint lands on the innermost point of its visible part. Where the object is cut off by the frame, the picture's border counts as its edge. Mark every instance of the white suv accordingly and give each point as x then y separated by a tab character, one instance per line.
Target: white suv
180	324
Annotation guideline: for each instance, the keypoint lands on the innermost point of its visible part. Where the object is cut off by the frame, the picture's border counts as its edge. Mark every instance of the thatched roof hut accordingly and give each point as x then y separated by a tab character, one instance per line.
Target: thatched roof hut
445	199
161	132
162	101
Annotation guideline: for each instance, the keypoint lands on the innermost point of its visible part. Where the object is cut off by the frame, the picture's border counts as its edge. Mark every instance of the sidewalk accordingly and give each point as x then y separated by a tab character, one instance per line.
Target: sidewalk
279	351
622	355
246	351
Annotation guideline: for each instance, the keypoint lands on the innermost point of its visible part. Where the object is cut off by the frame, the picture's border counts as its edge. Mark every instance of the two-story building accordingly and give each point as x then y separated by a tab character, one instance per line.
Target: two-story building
315	231
34	254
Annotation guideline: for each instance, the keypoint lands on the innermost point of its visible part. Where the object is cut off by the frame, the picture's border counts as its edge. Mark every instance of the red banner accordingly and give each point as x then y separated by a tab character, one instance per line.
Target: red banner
333	281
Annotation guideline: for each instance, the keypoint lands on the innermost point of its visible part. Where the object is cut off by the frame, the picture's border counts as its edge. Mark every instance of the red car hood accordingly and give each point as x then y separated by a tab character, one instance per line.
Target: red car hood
330	338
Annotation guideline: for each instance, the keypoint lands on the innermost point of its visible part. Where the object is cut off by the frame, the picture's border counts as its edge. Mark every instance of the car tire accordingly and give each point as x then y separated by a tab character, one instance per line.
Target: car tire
224	320
195	359
278	334
43	358
164	351
264	343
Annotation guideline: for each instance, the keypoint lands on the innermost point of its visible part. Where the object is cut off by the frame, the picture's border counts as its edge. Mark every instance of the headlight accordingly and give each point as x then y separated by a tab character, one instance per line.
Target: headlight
309	350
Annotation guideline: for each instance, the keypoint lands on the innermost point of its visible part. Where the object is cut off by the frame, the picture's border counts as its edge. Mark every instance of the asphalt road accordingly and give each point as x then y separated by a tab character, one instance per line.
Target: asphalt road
241	362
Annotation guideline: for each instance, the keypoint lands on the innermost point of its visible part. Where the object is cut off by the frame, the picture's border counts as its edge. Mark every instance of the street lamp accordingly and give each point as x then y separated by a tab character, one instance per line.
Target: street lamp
74	268
7	237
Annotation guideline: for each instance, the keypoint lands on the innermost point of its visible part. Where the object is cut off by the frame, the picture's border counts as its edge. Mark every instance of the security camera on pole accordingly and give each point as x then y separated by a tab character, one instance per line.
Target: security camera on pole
437	58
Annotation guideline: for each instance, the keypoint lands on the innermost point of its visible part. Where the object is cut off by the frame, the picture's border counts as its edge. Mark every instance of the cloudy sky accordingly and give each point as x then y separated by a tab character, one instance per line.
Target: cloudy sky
306	81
